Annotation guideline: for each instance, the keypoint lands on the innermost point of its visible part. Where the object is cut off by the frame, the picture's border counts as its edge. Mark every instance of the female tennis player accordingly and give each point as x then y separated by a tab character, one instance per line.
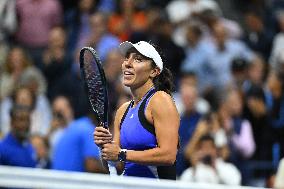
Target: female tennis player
145	139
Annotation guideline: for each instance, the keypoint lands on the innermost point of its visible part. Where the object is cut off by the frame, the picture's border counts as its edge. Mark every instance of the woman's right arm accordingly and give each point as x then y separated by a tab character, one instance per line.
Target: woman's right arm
103	136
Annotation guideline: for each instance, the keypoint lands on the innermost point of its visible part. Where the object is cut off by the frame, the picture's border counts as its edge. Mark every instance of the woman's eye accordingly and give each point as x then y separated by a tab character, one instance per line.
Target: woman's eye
138	59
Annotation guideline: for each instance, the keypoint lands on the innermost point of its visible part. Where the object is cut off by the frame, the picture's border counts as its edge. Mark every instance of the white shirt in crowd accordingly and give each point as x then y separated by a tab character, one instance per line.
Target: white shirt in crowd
225	173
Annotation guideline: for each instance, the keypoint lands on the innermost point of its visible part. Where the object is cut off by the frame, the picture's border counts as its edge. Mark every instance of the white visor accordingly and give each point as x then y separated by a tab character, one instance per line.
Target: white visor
145	48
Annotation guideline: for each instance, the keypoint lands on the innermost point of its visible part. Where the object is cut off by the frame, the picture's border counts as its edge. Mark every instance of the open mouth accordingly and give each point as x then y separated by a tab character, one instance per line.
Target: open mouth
127	73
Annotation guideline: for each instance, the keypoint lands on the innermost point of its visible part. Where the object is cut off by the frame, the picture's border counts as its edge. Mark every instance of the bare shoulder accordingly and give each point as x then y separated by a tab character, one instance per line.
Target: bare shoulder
161	98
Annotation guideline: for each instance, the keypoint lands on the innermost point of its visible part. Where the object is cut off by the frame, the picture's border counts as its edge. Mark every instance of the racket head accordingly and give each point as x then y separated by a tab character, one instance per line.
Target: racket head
95	83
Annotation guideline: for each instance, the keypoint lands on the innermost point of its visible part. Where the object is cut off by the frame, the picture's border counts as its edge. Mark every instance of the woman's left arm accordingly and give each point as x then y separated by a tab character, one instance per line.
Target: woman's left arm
162	113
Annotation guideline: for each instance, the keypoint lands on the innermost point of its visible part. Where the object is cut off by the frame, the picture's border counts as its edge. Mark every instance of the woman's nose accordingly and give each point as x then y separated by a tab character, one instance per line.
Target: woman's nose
128	62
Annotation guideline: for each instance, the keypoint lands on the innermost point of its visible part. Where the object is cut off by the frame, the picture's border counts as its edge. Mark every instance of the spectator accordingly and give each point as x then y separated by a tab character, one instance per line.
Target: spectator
278	42
198	52
209	167
189	117
180	11
36	19
257	114
275	104
56	61
257	36
62	116
15	148
207	125
77	22
226	50
75	149
100	38
256	71
40	115
238	130
127	20
17	63
160	34
239	72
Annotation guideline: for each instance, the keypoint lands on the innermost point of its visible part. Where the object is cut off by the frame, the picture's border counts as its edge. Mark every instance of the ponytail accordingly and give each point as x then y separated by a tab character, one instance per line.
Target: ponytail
164	81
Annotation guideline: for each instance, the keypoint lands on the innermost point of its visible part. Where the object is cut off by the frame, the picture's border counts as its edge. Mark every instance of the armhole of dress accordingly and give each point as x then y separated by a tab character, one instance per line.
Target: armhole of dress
141	114
125	113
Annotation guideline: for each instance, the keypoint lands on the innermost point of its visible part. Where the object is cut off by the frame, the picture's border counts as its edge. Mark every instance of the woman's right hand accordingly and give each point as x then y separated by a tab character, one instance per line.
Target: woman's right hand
102	136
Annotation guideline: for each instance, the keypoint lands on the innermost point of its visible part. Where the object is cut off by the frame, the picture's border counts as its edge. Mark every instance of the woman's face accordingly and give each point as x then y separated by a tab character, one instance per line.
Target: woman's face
136	70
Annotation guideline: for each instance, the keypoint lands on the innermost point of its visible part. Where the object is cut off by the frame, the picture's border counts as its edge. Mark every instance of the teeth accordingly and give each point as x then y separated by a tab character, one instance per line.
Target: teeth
127	73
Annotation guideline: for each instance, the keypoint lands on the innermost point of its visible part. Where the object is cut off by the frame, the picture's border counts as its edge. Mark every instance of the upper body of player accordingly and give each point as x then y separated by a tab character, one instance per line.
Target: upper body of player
145	140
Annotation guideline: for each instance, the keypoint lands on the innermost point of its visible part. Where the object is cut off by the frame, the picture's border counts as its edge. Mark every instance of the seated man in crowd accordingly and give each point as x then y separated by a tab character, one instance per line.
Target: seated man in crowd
209	168
15	148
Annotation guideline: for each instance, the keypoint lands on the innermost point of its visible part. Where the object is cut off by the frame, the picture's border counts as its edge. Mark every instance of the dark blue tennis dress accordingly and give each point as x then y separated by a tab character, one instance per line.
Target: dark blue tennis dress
136	133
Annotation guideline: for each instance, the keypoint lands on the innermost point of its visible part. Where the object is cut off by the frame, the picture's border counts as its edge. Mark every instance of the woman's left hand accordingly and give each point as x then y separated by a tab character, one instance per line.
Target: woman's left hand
110	151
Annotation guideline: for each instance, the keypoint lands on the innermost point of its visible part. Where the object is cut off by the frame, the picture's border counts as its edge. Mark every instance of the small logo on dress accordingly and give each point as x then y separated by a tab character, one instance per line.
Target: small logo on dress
131	116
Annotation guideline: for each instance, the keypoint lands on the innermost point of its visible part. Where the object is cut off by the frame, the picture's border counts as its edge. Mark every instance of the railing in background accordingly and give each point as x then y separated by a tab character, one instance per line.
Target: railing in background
17	177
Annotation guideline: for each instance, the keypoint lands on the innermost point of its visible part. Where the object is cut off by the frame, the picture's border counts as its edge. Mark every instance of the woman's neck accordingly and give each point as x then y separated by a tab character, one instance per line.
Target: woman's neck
138	93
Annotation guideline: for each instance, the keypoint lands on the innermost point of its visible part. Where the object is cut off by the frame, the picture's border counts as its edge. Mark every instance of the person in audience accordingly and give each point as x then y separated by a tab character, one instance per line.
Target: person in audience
36	19
100	38
15	147
190	116
77	23
238	130
40	112
62	116
274	94
56	61
75	149
127	20
209	168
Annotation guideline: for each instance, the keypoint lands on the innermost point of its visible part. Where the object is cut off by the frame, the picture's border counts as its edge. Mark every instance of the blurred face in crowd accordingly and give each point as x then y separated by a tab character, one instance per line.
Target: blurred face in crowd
62	109
253	22
127	5
98	24
20	124
256	106
189	95
193	34
256	70
220	34
234	103
86	5
24	96
16	60
57	38
207	147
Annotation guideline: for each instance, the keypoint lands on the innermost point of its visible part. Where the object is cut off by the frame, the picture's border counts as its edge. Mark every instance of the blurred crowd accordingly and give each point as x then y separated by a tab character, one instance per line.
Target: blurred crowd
227	58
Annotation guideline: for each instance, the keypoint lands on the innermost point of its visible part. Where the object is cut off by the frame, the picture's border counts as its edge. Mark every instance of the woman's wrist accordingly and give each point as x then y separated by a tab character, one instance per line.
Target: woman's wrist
122	155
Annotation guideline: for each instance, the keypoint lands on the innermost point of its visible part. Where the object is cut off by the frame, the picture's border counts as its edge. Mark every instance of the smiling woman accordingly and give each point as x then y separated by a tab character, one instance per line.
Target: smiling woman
145	138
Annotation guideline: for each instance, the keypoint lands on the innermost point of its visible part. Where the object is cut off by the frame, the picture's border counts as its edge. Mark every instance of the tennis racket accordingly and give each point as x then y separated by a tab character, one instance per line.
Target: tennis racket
95	83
